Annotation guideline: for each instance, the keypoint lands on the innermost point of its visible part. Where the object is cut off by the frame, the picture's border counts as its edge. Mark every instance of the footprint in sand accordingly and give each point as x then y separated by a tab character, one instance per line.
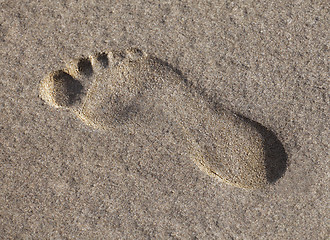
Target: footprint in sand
123	87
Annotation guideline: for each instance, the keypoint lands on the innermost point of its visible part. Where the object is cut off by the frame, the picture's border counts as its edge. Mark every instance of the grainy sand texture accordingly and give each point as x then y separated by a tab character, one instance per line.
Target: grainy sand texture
164	119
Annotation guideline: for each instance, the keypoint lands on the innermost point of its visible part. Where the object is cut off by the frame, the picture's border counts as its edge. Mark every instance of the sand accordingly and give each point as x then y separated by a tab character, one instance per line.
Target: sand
266	62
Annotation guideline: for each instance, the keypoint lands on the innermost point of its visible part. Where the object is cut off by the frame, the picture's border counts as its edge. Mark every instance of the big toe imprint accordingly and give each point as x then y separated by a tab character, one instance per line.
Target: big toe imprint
123	87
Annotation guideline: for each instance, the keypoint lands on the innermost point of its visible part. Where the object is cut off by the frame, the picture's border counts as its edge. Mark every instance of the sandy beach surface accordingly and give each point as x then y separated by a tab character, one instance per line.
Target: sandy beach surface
63	179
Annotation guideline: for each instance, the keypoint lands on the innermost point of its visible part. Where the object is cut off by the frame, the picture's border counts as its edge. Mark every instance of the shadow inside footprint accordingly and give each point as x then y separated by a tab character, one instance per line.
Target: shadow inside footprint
123	111
85	67
66	88
276	157
103	59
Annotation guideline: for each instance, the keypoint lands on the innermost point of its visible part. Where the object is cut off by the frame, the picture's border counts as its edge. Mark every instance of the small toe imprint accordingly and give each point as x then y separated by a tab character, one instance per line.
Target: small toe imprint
85	67
103	59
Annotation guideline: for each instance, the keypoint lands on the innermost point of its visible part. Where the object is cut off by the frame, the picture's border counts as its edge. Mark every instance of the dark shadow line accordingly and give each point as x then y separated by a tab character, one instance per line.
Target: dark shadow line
276	159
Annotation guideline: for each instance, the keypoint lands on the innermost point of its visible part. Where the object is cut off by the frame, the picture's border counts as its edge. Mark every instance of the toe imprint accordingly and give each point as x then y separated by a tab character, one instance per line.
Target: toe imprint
60	89
123	87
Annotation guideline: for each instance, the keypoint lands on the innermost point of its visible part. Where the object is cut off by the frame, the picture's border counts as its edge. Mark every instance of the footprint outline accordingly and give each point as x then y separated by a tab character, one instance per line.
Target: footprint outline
118	58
